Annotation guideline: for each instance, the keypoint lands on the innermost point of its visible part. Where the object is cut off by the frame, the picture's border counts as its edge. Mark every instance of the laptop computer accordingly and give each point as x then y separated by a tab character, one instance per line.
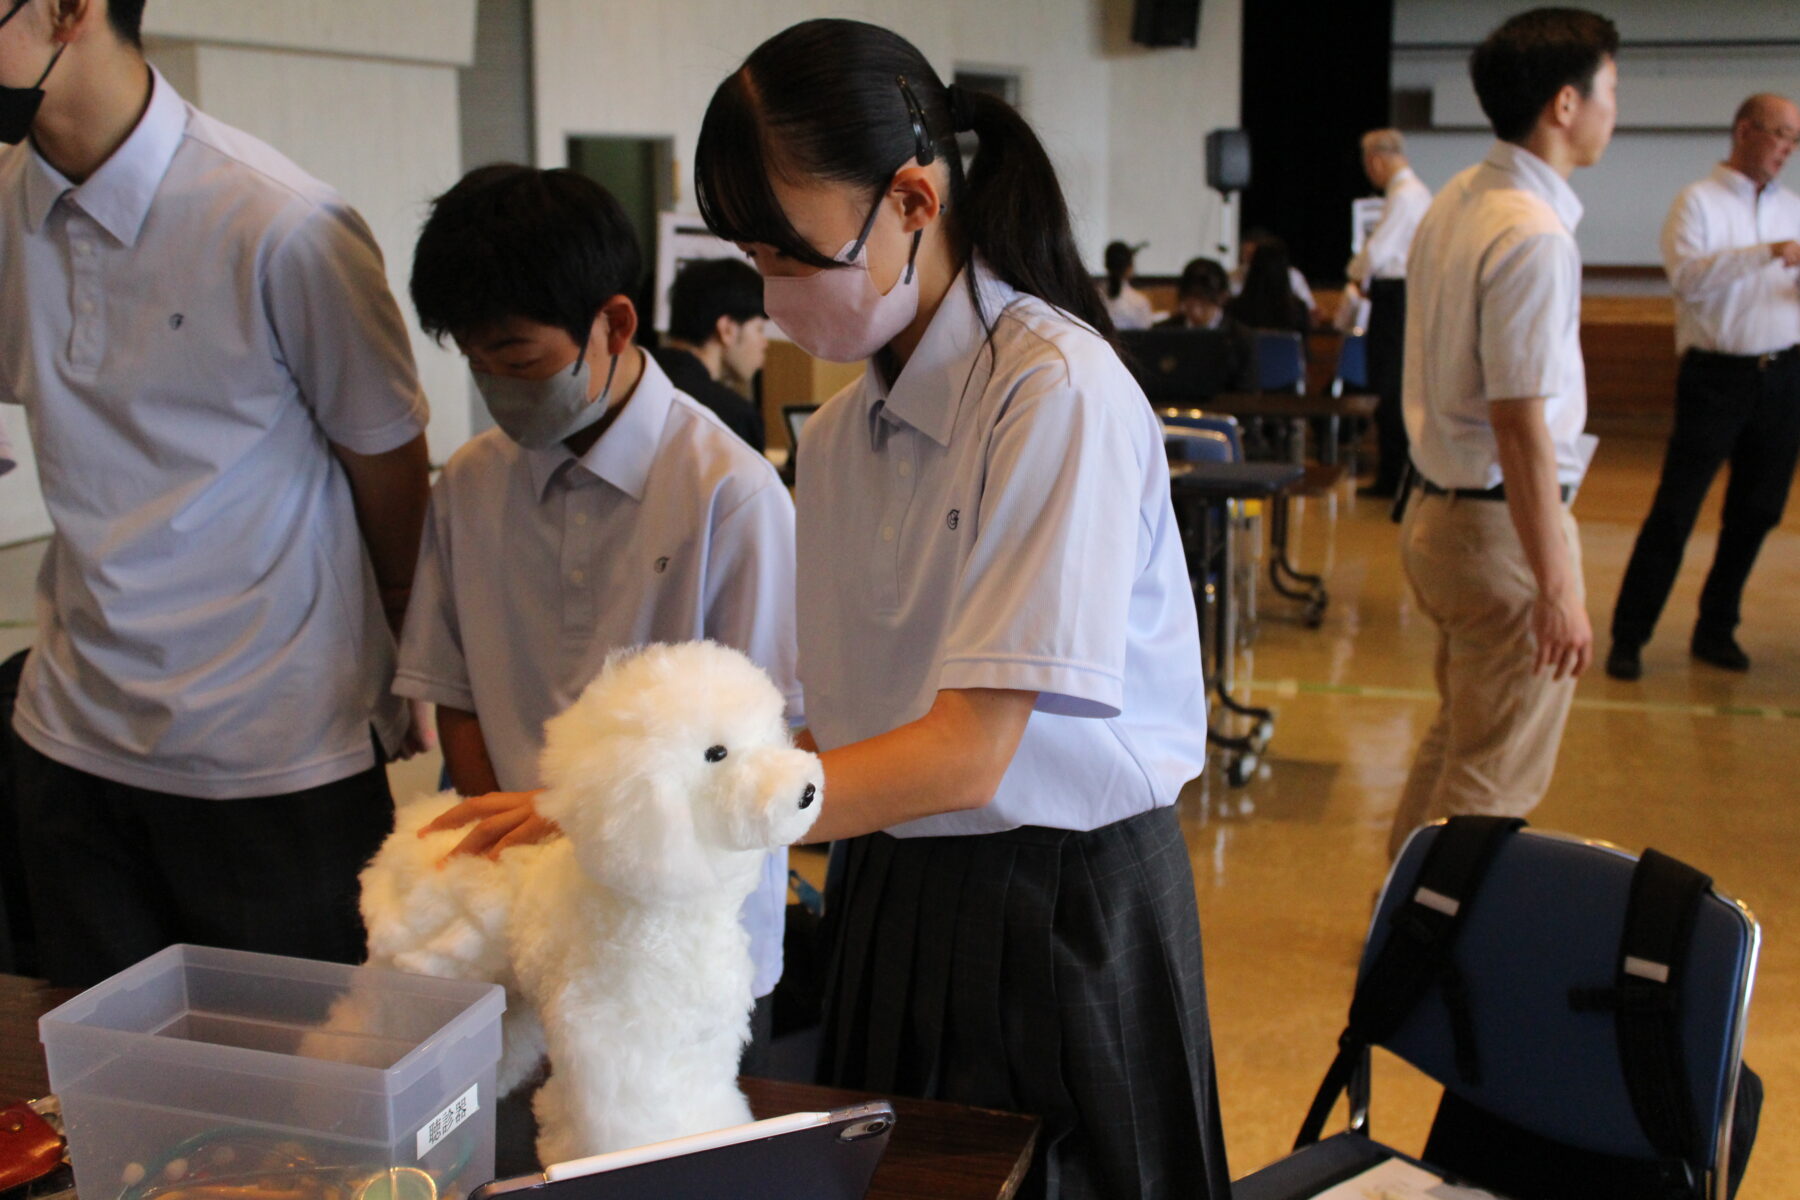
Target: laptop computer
800	1156
1179	367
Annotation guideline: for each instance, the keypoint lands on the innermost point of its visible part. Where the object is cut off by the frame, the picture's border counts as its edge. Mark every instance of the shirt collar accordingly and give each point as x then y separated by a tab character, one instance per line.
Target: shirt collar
1741	184
623	454
944	364
1538	177
118	195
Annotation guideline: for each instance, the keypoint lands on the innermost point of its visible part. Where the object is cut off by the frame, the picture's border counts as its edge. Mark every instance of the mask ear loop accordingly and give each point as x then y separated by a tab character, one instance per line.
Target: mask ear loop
581	361
15	11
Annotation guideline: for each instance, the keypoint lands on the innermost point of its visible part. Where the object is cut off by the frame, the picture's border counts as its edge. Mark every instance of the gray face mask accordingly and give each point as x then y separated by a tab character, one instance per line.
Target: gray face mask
539	413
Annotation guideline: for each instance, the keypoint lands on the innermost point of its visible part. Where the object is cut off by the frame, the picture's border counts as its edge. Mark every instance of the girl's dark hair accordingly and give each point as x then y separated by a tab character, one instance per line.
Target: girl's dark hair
1268	300
512	241
1118	261
822	99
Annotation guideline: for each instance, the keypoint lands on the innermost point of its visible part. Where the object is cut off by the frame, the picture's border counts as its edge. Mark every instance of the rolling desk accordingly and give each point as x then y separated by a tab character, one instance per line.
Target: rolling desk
1202	494
938	1151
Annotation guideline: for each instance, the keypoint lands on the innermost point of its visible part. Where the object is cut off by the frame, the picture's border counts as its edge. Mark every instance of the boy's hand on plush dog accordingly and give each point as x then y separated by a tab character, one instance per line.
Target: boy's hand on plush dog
500	819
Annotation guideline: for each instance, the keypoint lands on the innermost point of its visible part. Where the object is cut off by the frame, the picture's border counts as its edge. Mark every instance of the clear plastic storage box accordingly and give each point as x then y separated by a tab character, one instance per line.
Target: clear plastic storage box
203	1074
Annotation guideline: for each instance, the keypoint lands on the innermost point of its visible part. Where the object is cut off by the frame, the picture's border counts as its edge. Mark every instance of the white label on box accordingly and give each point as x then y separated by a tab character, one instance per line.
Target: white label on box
446	1122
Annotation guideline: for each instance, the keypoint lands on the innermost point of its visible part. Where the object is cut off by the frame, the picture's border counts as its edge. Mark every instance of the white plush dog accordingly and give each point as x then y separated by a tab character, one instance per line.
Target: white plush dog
619	944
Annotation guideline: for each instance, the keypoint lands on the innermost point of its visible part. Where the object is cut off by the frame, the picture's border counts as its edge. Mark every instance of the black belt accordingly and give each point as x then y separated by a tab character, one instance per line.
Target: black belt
1497	492
1386	287
1760	362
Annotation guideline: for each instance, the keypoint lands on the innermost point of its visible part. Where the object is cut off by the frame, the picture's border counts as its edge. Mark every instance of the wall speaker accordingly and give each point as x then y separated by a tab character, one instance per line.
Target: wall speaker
1228	160
1165	22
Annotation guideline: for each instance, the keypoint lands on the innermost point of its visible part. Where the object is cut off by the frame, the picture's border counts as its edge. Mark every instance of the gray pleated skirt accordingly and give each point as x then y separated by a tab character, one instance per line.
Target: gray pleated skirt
1040	971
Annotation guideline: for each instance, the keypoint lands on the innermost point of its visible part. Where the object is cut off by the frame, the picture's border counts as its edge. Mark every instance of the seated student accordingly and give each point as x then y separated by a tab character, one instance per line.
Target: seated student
717	326
1267	299
1253	240
1200	301
607	510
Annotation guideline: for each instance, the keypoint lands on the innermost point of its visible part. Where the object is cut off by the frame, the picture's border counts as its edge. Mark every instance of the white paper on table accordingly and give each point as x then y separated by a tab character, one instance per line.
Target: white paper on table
1397	1180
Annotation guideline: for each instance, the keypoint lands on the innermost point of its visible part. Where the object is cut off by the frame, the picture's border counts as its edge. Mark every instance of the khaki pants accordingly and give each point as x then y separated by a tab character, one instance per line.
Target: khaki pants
1492	747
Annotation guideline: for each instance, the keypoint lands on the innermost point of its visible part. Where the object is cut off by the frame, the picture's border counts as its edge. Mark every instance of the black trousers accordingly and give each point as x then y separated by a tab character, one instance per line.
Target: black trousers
115	873
1727	409
1387	365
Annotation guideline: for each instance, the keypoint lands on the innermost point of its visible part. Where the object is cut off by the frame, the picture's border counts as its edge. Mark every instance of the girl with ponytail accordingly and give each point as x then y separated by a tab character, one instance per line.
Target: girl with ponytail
997	633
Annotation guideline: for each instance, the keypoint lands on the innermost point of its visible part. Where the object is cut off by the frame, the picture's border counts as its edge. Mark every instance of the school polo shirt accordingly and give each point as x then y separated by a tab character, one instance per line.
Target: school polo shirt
189	330
1493	312
537	564
1000	518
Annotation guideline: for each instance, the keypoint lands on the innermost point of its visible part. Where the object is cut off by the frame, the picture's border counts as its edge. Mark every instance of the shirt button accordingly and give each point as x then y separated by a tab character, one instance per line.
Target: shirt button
905	469
581	518
84	248
86	307
576	576
887	533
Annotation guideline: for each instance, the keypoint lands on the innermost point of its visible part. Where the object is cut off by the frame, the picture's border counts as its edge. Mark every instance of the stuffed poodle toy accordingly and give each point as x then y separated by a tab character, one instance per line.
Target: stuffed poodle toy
618	943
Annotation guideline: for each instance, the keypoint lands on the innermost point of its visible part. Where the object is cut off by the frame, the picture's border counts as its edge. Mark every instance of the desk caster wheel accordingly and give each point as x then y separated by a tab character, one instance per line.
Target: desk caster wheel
1260	736
1240	768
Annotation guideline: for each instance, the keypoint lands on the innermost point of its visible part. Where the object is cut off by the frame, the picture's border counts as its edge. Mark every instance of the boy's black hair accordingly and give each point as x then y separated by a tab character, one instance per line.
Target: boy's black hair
127	20
710	288
513	241
1522	65
1204	279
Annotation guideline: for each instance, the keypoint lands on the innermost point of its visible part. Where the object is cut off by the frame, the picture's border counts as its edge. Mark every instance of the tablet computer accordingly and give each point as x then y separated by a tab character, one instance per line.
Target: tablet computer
801	1156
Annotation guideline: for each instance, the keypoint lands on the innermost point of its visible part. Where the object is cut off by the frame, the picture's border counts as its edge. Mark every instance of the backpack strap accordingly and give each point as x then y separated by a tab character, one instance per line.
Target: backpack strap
1645	1001
1417	955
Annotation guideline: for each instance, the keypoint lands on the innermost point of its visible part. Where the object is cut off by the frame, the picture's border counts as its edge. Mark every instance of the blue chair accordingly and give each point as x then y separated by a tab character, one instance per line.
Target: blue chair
1545	924
1280	361
1352	366
1221	423
1197	445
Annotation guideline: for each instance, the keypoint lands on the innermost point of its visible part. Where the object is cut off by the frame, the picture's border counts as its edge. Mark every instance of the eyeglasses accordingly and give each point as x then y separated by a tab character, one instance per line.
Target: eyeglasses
1787	137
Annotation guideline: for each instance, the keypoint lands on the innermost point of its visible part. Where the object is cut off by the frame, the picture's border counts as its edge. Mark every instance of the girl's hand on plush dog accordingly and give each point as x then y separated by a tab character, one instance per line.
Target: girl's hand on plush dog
500	819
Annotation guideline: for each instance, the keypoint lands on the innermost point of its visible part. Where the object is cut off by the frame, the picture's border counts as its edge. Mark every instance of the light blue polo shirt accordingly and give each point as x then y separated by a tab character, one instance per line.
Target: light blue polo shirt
536	565
1000	518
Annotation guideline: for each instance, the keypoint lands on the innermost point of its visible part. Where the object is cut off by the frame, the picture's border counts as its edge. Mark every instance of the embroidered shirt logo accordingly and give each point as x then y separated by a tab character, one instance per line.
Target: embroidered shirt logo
175	320
954	519
662	564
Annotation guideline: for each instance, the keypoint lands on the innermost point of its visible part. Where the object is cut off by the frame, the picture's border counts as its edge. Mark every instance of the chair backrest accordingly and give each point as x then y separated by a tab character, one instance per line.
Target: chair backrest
1353	363
1223	424
1197	445
1547	918
1280	361
1179	366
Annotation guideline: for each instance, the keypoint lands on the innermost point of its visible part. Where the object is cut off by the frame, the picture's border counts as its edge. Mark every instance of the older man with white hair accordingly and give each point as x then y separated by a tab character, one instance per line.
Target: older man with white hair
1379	272
1731	246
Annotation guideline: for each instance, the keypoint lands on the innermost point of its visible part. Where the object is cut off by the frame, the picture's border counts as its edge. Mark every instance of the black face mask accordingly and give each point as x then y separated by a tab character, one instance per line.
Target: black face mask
19	105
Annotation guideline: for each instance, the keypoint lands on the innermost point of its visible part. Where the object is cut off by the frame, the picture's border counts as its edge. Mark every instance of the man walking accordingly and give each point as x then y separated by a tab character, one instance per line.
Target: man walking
1731	250
1495	401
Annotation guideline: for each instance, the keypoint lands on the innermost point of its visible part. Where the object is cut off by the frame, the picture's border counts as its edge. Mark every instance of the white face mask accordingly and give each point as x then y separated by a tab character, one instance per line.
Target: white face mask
538	413
836	313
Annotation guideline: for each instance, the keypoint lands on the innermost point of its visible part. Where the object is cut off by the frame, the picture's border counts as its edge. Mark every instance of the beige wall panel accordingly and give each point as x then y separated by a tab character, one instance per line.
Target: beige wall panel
441	31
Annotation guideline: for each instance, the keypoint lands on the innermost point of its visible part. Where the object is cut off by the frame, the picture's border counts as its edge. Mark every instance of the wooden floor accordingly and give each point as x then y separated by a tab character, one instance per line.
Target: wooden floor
1695	761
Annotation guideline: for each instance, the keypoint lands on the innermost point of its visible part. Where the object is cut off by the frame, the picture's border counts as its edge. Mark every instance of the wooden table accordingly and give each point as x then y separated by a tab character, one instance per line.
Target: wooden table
937	1151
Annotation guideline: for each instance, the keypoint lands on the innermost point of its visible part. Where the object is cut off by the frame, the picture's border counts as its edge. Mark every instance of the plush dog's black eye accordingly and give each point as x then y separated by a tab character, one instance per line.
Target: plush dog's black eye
715	754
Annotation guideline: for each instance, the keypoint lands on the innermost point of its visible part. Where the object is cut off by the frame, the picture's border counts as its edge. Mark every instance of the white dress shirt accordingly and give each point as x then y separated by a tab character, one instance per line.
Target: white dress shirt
1493	312
1130	309
1000	518
1383	255
190	330
536	565
1731	295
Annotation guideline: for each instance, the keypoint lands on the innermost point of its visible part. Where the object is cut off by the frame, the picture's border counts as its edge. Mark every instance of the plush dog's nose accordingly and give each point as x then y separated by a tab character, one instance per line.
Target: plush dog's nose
807	796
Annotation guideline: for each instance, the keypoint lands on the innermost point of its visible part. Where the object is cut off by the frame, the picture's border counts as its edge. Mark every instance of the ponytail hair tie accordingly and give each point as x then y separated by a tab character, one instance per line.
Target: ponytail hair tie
960	119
